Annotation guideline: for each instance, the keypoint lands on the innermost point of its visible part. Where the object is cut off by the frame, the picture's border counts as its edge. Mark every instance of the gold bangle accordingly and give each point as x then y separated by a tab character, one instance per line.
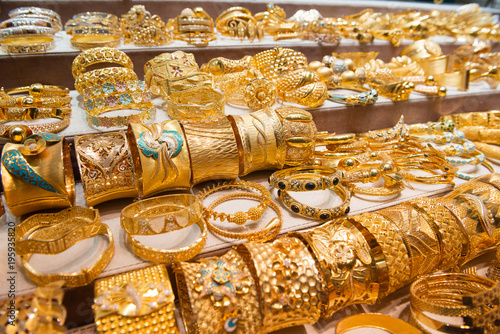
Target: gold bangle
374	320
239	22
148	113
202	104
106	167
44	12
260	141
140	300
38	89
213	150
435	65
19	132
239	217
493	272
92	229
318	213
422	49
218	294
161	215
305	178
31	113
37	100
458	79
344	258
98	56
161	157
289	283
139	27
269	232
19	21
393	246
92	82
372	172
286	60
367	96
89	37
312	95
193	26
38	174
27	39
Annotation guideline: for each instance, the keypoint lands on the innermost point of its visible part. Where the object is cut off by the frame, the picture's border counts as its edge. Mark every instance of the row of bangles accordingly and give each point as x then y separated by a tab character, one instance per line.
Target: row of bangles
32	29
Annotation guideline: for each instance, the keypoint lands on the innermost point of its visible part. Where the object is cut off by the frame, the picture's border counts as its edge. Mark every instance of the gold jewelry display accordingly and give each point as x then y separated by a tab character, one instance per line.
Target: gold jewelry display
260	140
193	26
55	233
341	251
213	150
98	56
161	215
238	22
288	281
140	300
201	104
377	321
139	27
106	167
218	294
37	174
161	157
240	217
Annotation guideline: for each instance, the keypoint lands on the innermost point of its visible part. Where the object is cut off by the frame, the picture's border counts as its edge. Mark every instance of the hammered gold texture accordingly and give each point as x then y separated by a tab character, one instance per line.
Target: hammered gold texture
393	246
199	312
158	321
452	238
421	239
213	151
346	262
289	282
278	62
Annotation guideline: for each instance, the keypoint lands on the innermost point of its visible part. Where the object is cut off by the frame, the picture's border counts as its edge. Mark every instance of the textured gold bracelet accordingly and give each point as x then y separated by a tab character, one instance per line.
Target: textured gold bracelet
202	104
19	132
218	294
140	300
98	56
305	178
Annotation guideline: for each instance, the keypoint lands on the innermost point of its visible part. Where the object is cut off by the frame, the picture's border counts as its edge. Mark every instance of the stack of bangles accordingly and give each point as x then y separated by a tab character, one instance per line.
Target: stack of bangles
160	215
455	303
29	30
41	101
111	88
52	234
93	29
311	179
193	26
252	191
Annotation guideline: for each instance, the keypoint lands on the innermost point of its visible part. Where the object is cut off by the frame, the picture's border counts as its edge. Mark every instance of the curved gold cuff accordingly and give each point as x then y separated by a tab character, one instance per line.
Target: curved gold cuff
201	104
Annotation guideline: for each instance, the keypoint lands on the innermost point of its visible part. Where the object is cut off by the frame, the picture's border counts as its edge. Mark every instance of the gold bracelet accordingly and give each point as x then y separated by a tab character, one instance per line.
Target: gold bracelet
239	217
213	150
277	62
161	157
305	178
312	95
31	113
422	49
193	26
91	19
27	39
38	174
73	225
140	300
269	232
382	322
107	80
147	113
161	215
289	283
494	268
19	21
238	22
106	167
98	56
218	294
260	141
38	90
367	96
141	28
202	104
37	100
344	258
42	12
19	132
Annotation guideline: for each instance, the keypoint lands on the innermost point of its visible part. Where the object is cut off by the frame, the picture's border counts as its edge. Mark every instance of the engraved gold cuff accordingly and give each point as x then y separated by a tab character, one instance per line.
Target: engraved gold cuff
201	104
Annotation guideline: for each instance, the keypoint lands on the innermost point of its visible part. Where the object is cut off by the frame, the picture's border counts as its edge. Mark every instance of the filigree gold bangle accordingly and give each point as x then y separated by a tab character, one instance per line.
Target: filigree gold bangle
139	27
218	294
161	215
202	104
98	56
289	283
305	178
140	300
106	80
38	174
72	225
161	157
213	150
106	167
239	217
341	251
286	60
146	114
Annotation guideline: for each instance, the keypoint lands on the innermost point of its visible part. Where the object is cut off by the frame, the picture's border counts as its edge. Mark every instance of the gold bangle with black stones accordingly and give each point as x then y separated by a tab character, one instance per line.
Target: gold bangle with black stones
44	237
213	150
394	248
106	167
19	132
98	56
305	178
218	294
161	215
344	258
37	174
269	232
160	155
239	217
259	148
318	212
383	322
137	301
202	104
288	282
